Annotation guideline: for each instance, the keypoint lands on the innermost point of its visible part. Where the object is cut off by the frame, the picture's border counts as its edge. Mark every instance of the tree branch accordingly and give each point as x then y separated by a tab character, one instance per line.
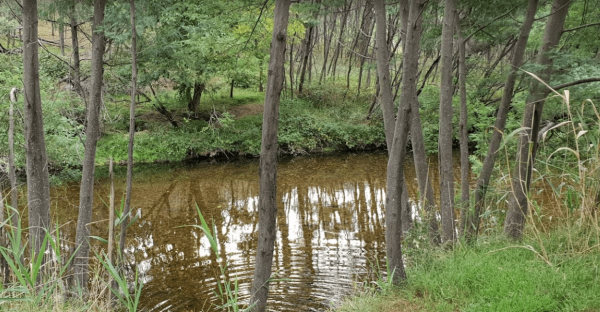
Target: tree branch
580	27
576	82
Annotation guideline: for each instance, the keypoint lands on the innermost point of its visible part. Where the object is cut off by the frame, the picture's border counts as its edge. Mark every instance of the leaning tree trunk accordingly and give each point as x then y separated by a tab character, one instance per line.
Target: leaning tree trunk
396	148
38	187
267	204
472	225
445	128
528	138
131	135
86	191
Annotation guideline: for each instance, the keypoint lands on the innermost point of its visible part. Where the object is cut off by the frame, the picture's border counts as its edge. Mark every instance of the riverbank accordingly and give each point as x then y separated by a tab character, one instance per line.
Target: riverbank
550	272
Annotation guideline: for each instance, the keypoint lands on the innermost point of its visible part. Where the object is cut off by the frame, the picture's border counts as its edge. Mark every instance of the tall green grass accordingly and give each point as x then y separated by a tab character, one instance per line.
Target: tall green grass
40	281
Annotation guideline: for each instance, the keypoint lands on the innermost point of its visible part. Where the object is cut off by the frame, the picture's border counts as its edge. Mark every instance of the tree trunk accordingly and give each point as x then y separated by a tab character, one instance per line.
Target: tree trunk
291	70
464	139
76	77
307	51
12	173
38	187
86	191
4	267
231	89
260	78
410	71
396	148
111	233
61	33
521	178
194	103
472	226
131	134
338	47
268	160
445	129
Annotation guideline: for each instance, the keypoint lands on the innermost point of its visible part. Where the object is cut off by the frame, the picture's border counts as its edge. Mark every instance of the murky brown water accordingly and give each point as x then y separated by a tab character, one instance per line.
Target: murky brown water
330	228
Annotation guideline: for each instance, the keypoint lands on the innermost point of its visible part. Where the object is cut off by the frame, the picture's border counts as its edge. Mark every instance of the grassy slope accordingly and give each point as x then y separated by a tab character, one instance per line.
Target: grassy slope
496	275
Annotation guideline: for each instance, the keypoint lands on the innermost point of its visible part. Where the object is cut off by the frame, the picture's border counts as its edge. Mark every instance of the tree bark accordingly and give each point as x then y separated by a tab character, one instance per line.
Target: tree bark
463	133
86	191
38	187
194	103
445	128
131	134
307	51
338	47
268	160
76	77
61	33
521	178
396	149
12	170
472	226
411	59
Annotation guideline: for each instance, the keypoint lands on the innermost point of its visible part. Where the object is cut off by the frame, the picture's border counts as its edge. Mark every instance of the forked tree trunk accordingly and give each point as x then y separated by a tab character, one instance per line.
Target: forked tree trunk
445	127
38	187
194	103
86	191
396	149
528	138
267	204
131	134
472	225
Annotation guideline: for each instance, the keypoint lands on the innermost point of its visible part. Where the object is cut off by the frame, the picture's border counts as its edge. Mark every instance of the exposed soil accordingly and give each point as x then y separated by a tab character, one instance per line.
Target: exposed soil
246	110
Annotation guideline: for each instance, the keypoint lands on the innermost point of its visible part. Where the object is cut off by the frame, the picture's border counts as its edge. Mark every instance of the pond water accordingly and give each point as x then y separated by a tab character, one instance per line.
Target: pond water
330	227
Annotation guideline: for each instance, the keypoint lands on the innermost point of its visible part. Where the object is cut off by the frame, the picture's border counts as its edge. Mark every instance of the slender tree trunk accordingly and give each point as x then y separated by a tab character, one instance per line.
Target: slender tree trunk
76	77
364	53
268	160
4	267
61	32
111	232
472	226
86	191
291	70
131	134
260	78
445	131
38	187
231	89
396	148
12	170
464	139
307	51
338	47
411	59
521	178
326	45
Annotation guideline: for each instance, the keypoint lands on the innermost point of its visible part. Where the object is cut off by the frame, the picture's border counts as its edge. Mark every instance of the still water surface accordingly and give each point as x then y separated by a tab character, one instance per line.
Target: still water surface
330	228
